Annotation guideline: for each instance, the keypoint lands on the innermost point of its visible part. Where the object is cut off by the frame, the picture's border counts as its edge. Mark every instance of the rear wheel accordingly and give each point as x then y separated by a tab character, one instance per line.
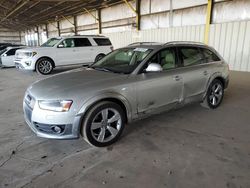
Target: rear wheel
103	124
215	94
44	66
98	57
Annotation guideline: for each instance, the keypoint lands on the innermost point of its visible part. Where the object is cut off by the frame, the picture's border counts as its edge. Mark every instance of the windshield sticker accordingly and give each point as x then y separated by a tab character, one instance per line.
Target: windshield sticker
140	49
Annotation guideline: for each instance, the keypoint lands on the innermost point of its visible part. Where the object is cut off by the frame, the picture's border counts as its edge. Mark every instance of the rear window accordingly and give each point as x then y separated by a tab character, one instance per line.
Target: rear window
190	56
209	55
102	41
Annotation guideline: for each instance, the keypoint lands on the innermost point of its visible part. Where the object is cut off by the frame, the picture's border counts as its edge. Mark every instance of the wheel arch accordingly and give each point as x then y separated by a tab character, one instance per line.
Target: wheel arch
98	55
53	62
112	97
212	78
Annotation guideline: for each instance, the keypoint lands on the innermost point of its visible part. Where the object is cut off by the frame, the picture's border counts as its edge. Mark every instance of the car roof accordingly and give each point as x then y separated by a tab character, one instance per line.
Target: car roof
154	45
80	36
14	47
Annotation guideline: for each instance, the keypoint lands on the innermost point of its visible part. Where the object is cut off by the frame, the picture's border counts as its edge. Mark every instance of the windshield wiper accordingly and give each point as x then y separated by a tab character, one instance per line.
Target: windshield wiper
104	69
101	69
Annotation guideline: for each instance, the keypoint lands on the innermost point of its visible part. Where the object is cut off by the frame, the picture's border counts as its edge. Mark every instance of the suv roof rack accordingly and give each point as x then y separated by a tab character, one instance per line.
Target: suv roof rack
140	43
90	35
184	42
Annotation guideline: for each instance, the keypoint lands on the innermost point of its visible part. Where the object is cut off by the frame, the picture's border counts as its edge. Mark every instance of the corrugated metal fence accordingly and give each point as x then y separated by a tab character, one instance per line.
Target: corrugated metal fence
231	40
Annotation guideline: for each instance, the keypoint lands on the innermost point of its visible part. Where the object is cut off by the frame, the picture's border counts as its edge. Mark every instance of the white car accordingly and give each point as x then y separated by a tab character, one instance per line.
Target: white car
62	51
7	56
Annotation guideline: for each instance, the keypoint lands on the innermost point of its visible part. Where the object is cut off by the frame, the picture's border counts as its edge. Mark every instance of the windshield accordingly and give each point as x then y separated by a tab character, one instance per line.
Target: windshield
51	42
122	60
2	51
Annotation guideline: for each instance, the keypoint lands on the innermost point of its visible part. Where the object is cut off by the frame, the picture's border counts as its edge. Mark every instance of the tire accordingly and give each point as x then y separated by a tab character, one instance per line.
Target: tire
44	66
214	98
98	57
97	130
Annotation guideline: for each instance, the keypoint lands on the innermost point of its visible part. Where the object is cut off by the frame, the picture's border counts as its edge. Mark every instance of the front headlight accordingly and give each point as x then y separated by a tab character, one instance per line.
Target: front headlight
55	105
30	54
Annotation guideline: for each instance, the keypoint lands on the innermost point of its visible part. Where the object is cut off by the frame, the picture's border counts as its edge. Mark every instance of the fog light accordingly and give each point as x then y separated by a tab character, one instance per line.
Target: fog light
28	63
56	129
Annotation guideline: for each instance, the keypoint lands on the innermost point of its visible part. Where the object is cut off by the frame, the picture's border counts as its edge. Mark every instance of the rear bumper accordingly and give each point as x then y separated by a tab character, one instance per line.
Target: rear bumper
226	83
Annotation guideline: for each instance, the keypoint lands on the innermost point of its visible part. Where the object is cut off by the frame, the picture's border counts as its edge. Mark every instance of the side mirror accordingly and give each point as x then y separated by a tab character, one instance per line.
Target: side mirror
4	55
60	46
154	67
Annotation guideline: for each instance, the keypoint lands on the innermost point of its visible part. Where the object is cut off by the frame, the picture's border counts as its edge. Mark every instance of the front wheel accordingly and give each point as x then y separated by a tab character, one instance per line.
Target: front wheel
44	66
103	124
215	94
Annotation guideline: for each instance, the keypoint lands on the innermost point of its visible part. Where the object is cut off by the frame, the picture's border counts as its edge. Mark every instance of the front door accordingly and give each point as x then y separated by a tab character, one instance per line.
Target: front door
160	90
66	53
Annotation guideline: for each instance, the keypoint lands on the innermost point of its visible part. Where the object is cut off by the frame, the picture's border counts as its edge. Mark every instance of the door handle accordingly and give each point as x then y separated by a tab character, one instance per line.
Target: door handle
205	72
177	78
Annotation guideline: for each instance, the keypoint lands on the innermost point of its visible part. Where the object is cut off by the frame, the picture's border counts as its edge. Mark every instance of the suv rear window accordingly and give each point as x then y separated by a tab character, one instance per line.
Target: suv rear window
102	41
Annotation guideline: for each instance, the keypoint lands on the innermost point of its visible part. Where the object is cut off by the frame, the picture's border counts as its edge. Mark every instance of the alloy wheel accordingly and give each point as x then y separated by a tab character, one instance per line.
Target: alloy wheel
216	94
106	125
44	66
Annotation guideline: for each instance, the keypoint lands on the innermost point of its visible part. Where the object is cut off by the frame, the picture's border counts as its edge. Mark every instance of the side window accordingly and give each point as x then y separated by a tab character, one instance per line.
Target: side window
209	56
81	42
102	41
190	56
11	52
166	58
68	43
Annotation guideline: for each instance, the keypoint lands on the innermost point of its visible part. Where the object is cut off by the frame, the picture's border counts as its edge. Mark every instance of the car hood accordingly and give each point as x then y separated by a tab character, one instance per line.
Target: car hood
36	49
79	82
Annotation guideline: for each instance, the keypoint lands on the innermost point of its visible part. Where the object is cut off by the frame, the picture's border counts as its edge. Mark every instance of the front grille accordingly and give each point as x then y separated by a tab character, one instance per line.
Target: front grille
17	60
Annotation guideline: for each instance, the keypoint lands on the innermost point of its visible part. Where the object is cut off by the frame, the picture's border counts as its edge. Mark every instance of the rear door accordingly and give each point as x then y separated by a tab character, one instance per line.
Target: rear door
84	51
195	72
103	46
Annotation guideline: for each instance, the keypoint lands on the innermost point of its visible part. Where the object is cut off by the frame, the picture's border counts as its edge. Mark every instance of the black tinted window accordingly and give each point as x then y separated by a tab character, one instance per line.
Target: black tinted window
79	42
209	55
11	52
102	42
190	56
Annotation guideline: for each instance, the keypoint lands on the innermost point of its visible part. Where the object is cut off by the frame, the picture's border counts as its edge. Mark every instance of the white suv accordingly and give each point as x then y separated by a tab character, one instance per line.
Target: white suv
61	51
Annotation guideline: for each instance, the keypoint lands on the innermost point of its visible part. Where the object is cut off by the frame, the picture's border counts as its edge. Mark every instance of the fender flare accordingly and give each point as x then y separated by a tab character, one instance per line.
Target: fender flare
101	97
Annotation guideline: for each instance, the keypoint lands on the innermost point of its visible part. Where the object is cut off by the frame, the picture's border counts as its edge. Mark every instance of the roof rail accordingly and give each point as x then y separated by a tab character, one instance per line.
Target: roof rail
90	35
140	43
183	42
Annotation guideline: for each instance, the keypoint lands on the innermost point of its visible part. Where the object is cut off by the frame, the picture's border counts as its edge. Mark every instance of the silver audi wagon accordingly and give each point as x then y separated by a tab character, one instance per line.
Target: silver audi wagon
96	102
